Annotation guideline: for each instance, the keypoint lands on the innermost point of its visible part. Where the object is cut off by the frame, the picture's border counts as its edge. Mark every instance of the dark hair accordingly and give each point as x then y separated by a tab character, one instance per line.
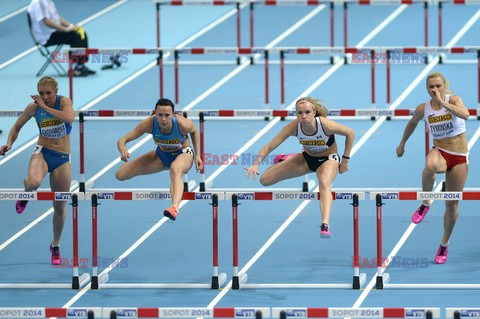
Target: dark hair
165	102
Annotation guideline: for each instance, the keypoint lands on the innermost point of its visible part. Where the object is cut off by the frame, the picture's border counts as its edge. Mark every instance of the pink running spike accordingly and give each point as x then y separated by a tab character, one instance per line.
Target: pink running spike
442	255
171	212
282	157
20	206
325	231
56	257
420	214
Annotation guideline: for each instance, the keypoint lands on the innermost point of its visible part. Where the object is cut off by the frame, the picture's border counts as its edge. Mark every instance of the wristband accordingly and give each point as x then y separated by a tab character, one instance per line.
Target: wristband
346	157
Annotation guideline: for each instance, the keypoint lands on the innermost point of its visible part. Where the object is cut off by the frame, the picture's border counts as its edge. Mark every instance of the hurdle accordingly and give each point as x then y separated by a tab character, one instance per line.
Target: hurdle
101	281
239	279
77	282
464	312
230	312
382	277
363	312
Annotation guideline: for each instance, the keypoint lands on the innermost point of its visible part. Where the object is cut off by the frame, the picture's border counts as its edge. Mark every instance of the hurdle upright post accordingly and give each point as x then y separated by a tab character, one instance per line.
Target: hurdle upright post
175	54
235	277
202	149
94	283
81	122
372	60
356	245
388	79
345	27
379	204
332	29
266	53
75	279
282	77
425	15
160	71
239	40
478	79
215	283
252	11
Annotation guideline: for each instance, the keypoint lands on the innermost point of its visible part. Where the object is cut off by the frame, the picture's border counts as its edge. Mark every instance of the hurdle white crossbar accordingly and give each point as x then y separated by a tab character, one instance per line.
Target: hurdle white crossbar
382	277
239	279
462	312
364	312
99	282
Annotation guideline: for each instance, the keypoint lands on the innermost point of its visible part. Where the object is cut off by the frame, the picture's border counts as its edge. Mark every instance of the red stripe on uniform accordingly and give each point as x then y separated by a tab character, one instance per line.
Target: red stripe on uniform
393	312
303	51
402	112
55	312
139	51
457	50
263	196
224	312
147	312
225	113
188	196
283	113
317	312
347	112
123	196
197	51
105	113
45	196
407	195
409	50
244	51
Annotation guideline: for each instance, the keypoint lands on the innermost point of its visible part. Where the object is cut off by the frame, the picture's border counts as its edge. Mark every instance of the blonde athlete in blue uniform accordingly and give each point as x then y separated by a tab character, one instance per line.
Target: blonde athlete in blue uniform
173	151
445	115
54	115
316	134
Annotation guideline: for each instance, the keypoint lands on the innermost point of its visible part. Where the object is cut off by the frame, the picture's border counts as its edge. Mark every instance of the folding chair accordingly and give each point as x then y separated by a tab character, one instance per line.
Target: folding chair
44	51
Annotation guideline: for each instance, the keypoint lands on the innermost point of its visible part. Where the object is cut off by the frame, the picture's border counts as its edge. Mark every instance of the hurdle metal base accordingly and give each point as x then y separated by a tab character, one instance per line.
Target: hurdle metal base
433	286
382	280
239	282
82	281
102	283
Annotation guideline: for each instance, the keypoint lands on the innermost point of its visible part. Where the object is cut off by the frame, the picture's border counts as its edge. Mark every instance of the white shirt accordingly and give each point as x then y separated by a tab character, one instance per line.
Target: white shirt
39	10
318	142
442	123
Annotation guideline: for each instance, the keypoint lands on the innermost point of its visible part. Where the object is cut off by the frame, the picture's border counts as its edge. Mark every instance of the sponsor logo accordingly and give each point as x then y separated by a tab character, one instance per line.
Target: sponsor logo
440	118
149	196
203	195
343	195
127	313
470	313
105	195
389	195
415	313
77	312
245	313
253	113
60	196
246	196
296	313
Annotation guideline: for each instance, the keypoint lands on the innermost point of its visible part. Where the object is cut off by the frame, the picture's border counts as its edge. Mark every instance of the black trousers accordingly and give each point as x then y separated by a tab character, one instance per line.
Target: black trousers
73	39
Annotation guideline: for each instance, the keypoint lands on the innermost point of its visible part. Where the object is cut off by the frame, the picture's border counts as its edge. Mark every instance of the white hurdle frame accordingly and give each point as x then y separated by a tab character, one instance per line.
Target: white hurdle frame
99	282
78	282
463	312
382	277
239	279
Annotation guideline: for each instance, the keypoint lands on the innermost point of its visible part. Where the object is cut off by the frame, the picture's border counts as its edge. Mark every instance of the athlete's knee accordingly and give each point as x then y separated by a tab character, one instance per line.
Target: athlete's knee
176	171
32	183
324	183
451	205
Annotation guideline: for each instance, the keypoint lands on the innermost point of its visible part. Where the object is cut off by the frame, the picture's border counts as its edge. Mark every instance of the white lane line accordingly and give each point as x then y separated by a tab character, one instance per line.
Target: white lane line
14	13
410	229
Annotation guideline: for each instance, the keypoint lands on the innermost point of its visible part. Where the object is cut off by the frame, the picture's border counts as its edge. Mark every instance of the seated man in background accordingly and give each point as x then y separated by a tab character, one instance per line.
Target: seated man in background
49	28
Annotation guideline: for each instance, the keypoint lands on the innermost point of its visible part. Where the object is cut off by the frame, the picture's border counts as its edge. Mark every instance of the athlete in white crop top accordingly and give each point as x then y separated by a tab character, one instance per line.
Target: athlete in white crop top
445	117
51	154
320	154
173	150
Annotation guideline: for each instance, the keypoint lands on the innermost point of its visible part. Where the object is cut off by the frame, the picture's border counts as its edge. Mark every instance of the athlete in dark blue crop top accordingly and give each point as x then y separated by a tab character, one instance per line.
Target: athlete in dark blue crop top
173	151
54	115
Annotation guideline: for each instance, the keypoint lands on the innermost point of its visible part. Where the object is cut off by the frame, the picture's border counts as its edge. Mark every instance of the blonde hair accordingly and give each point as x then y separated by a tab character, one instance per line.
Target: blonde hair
318	106
445	81
48	81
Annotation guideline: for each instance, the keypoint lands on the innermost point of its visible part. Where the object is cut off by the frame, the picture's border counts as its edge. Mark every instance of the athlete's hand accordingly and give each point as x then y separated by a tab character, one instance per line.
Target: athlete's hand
4	149
198	163
38	100
343	167
400	150
252	170
124	155
436	96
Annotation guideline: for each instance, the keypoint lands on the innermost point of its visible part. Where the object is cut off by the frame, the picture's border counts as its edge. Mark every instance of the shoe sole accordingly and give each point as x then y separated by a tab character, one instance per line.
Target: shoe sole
167	214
